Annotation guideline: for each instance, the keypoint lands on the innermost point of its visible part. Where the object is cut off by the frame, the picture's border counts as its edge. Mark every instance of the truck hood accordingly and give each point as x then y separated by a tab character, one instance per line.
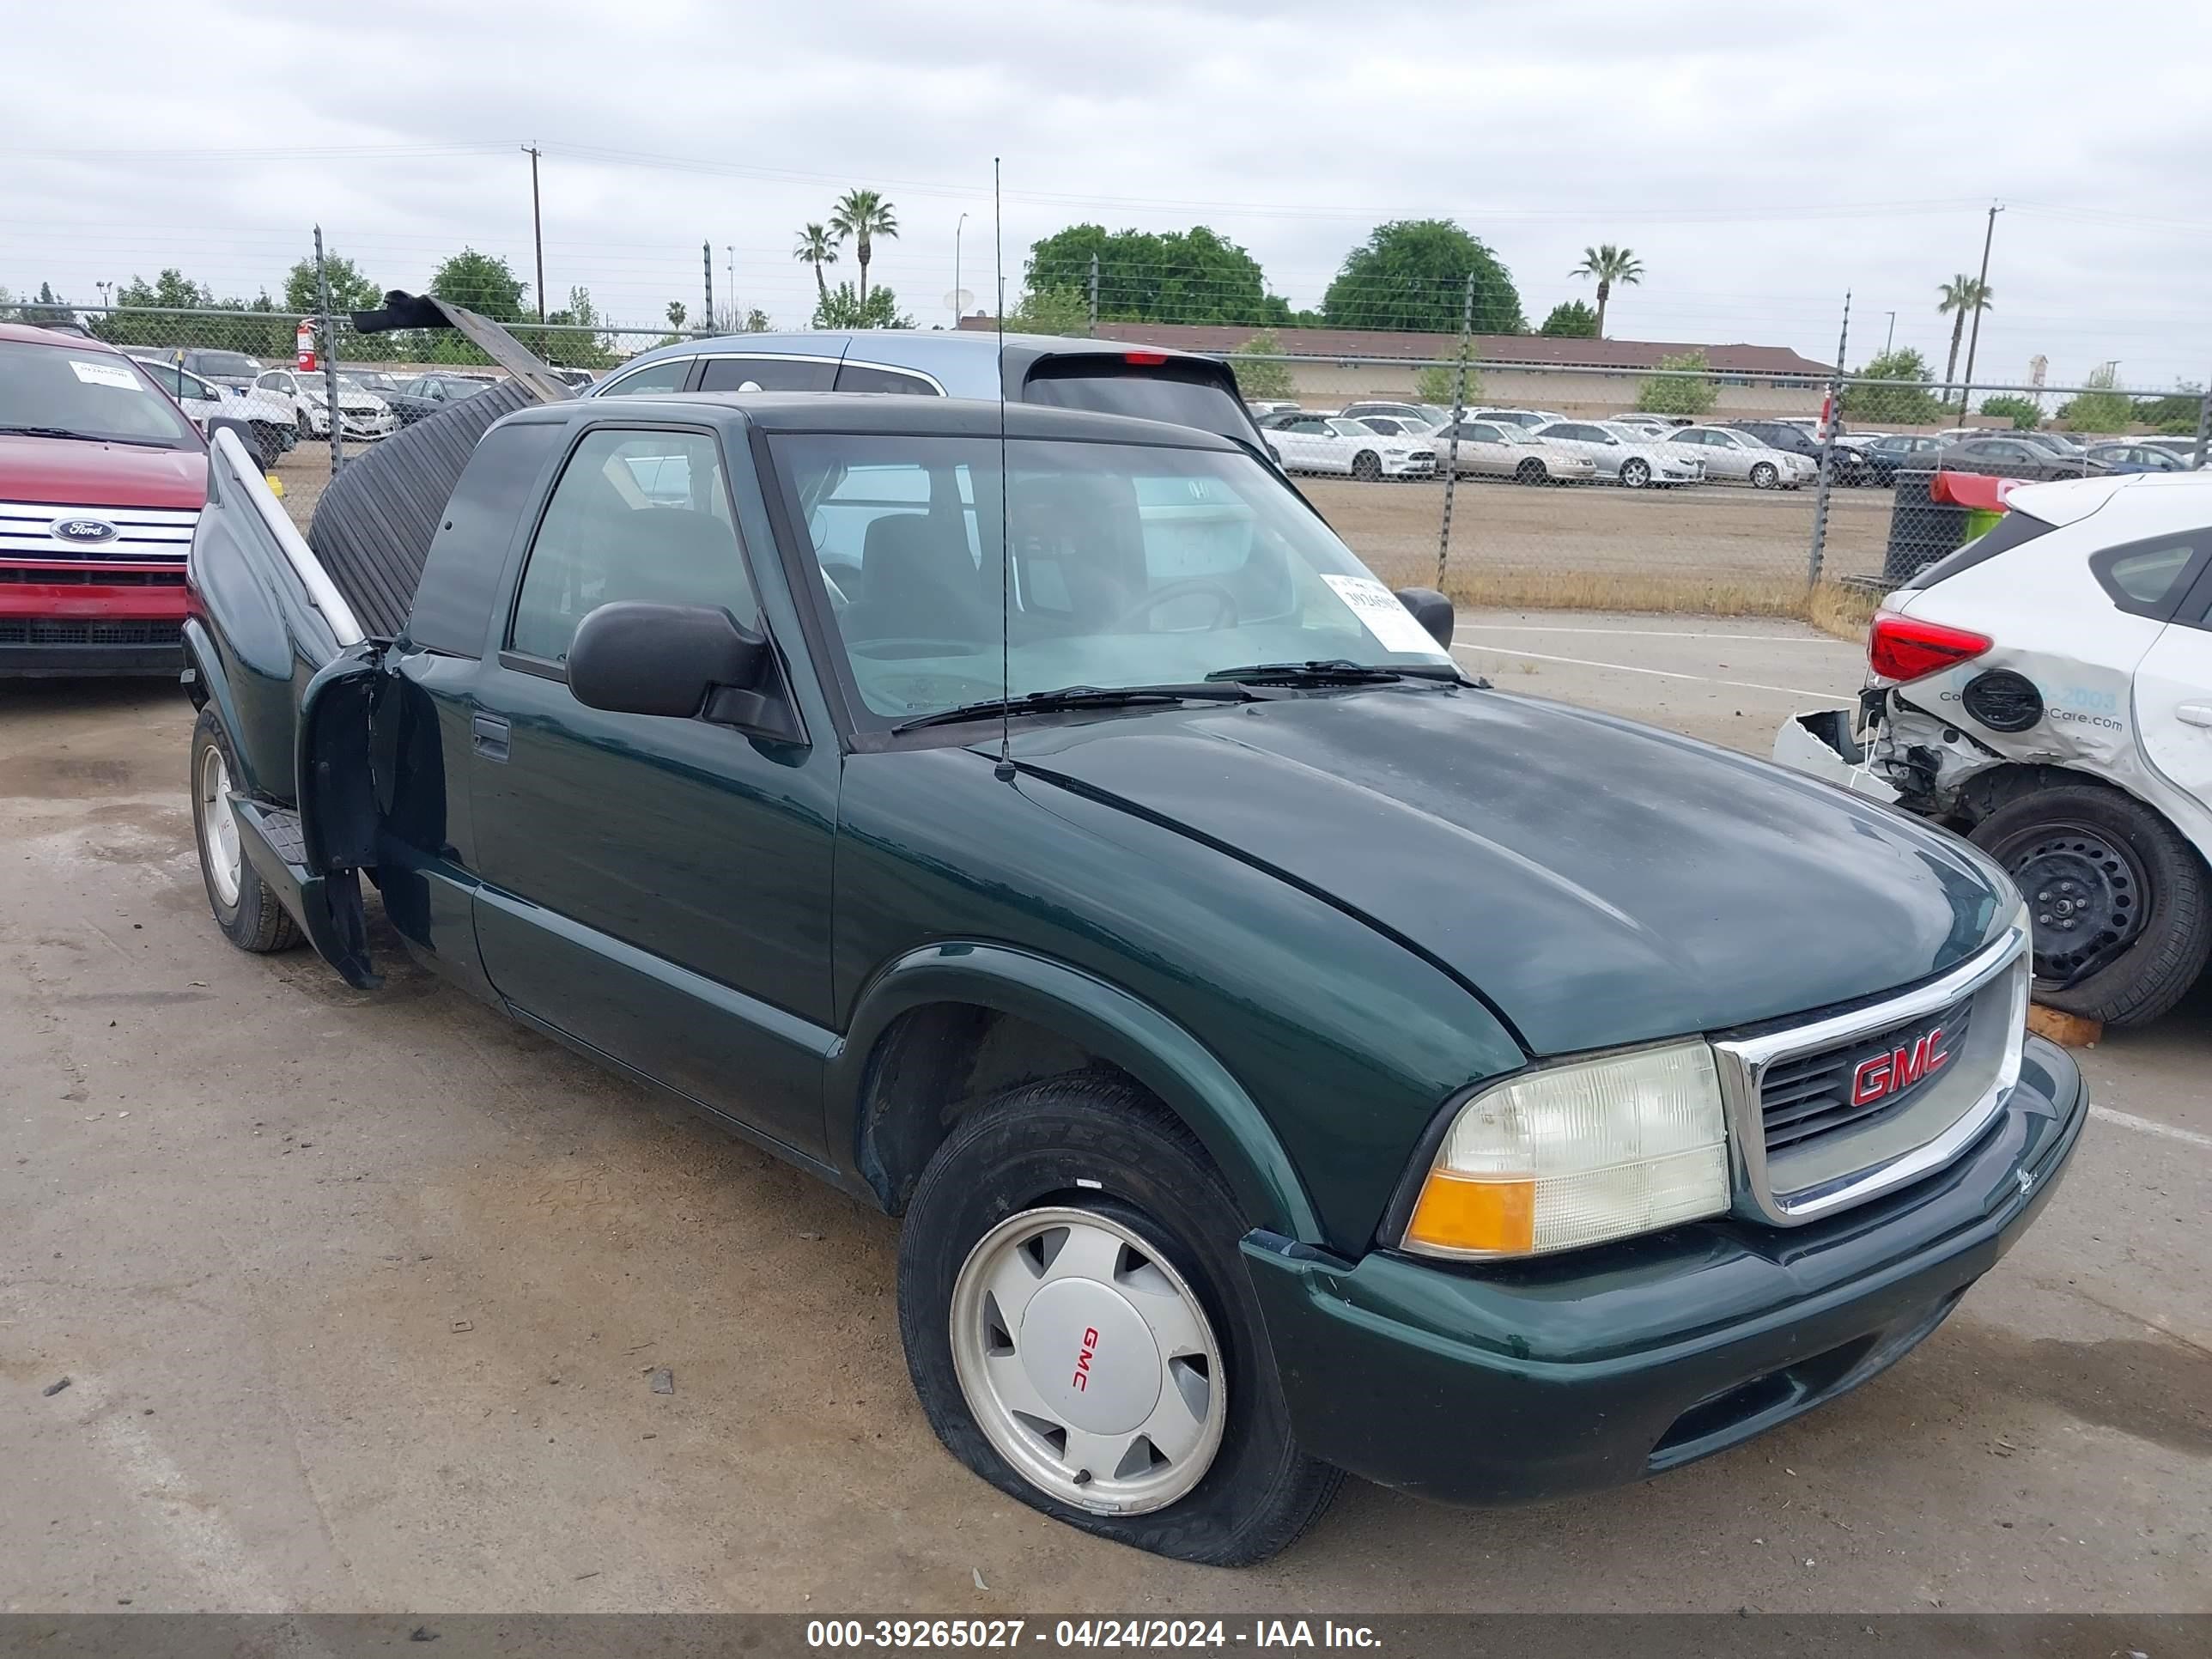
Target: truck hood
68	472
1597	882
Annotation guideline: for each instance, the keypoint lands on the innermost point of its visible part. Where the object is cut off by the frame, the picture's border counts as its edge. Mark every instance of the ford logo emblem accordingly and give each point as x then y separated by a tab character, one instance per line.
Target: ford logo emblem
84	532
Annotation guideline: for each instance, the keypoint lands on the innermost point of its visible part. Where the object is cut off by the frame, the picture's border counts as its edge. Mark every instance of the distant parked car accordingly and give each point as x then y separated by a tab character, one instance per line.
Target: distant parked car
1261	408
1655	423
1428	417
360	414
1631	461
1746	457
1499	449
1846	464
268	419
2012	456
231	368
426	394
372	380
578	378
2136	458
1527	419
1395	426
2184	447
1900	453
1330	443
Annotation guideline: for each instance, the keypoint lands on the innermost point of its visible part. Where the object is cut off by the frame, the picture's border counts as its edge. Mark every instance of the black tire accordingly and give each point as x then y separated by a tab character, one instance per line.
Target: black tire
255	920
1366	466
1634	473
1763	476
1532	472
2143	884
303	425
1034	1144
268	445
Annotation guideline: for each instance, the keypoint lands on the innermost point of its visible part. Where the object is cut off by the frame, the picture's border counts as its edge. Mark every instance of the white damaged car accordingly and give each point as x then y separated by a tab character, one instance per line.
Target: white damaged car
2046	692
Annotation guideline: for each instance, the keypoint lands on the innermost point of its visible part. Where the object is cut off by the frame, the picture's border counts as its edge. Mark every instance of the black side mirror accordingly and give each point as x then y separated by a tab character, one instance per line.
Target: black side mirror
1432	609
682	661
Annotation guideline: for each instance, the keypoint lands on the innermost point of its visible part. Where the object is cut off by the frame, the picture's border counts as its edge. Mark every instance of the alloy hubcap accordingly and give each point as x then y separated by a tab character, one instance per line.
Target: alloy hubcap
1087	1361
219	826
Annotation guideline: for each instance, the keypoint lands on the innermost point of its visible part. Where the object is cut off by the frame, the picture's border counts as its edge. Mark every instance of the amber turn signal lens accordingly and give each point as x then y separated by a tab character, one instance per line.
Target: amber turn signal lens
1456	1213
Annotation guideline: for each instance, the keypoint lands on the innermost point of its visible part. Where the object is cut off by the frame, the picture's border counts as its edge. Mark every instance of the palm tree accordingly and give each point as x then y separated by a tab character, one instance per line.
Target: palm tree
1610	264
1961	295
817	248
861	215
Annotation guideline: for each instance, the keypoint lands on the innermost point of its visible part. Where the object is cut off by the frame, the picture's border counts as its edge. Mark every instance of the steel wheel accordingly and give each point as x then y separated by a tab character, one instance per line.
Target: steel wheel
2087	892
225	863
1087	1361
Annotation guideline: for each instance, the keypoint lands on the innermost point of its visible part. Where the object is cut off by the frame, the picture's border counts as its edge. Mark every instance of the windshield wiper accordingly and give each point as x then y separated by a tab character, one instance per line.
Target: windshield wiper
1333	671
83	437
1079	697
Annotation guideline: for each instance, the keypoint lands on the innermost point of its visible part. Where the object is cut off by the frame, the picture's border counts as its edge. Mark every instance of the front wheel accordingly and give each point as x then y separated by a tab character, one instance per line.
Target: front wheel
1081	1333
2122	923
1763	477
1634	474
1366	467
246	907
1531	473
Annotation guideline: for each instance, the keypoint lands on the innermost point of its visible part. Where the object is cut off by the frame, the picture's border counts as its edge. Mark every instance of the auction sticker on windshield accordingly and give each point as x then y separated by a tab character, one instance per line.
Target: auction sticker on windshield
1382	614
104	374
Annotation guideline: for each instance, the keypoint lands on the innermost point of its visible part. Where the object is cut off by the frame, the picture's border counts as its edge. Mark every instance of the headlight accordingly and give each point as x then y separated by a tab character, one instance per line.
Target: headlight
1568	1155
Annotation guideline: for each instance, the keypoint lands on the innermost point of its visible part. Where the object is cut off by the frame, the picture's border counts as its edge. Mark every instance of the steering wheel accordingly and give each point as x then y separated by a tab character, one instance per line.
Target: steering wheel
1225	614
898	649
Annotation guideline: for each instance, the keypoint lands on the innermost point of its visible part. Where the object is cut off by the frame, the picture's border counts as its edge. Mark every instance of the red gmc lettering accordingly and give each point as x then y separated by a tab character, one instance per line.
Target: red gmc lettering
1083	1358
1885	1074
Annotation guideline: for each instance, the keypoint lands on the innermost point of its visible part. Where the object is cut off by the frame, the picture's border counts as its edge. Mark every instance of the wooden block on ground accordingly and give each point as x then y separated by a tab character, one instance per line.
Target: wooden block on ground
2068	1031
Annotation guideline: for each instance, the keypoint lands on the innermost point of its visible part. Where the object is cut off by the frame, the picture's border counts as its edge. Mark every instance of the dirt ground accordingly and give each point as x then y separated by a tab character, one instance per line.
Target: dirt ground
356	1294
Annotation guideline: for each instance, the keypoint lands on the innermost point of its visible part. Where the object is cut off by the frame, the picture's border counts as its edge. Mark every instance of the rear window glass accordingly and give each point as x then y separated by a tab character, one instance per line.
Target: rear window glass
768	375
2146	577
870	377
1186	393
2007	532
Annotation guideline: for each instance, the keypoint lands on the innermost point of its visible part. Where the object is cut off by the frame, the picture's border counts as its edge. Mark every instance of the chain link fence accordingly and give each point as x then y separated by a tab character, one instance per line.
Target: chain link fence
1698	486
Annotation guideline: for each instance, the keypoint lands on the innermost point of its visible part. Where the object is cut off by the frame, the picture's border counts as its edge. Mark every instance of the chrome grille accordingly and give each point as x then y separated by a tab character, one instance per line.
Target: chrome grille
143	535
1810	1095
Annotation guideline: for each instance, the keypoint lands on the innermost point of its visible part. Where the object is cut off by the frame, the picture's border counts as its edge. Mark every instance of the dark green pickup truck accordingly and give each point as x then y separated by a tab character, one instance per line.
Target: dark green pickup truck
1289	1055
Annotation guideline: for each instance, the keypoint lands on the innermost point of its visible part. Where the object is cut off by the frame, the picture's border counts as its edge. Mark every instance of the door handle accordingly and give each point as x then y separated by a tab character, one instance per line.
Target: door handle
487	734
2195	713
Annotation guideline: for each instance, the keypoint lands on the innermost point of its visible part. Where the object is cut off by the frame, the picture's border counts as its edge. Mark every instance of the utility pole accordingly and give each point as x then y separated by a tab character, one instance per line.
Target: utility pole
1459	409
1832	416
330	358
537	231
1890	339
730	249
1094	293
706	264
1981	291
960	225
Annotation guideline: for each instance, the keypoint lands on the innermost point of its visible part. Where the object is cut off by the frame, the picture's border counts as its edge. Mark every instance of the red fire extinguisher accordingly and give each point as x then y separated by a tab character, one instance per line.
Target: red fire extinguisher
305	360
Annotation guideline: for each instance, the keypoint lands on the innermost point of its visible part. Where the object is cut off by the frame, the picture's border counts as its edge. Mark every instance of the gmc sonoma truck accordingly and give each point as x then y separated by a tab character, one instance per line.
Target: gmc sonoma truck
1289	1055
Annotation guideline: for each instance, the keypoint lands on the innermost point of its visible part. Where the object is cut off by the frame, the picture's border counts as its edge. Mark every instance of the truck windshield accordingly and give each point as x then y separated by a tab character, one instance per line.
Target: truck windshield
1131	566
55	392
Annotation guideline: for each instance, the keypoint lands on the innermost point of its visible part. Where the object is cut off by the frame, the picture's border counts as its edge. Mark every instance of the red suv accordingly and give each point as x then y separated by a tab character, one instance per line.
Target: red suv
101	483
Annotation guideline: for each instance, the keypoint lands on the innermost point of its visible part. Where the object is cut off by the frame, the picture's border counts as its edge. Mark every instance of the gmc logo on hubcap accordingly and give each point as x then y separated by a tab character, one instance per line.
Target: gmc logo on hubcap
1083	1358
1885	1074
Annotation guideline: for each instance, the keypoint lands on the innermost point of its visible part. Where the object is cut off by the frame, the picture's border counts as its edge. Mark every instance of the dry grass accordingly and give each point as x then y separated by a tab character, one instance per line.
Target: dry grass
1830	607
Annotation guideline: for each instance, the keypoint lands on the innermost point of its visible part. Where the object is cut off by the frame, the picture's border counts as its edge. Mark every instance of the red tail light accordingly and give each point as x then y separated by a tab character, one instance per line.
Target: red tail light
1904	648
1150	359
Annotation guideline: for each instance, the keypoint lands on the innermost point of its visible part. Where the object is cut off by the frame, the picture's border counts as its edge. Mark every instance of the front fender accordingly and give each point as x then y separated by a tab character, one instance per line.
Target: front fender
1109	1022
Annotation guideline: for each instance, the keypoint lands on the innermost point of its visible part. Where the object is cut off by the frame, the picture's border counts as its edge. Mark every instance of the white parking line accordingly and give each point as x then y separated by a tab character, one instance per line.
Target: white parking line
1829	698
2151	1126
1662	634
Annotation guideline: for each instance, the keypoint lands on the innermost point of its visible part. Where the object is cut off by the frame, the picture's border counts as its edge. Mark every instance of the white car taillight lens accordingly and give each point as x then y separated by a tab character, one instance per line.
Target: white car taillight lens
1576	1154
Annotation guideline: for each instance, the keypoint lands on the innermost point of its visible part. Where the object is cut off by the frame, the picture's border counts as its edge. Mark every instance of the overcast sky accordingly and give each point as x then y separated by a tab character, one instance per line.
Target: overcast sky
1761	158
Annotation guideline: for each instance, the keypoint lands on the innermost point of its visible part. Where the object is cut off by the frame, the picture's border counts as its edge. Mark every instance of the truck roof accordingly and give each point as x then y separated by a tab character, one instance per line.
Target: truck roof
875	412
30	336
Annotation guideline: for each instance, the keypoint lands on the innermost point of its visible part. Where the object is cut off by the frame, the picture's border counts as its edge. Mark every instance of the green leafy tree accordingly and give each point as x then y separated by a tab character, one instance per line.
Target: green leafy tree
1411	274
43	312
2099	408
860	216
1893	386
1609	266
1257	378
1955	300
2175	415
843	308
2025	413
678	312
1570	319
1690	391
484	282
756	321
349	289
580	345
170	290
1194	276
817	248
1439	383
1050	311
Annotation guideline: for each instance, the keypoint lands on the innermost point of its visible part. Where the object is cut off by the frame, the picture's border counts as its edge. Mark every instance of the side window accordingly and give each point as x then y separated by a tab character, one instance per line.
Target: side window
636	515
270	382
768	375
171	380
2146	578
867	377
666	375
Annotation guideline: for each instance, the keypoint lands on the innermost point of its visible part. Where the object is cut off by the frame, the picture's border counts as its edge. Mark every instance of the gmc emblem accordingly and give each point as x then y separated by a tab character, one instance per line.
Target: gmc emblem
1083	1360
1885	1074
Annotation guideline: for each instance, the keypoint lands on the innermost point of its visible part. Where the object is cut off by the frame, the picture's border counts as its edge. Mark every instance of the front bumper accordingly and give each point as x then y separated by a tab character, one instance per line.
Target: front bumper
52	627
1601	1367
1410	466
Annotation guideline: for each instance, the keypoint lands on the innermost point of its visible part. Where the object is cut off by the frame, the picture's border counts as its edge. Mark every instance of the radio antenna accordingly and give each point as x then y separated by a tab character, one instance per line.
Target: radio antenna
1005	770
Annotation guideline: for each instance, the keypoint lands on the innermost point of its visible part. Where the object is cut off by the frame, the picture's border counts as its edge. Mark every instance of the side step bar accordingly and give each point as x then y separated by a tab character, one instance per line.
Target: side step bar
327	907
